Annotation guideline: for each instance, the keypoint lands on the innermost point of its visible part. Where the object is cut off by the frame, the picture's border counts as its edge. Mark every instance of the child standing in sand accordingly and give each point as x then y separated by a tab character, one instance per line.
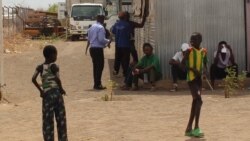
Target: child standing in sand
195	60
51	92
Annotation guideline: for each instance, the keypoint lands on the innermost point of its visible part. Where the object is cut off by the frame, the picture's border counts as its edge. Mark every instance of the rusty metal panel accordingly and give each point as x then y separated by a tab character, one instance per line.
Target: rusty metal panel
216	20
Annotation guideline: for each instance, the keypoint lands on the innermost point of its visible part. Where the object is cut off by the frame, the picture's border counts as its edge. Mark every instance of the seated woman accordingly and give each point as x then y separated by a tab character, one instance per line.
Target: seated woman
148	69
223	59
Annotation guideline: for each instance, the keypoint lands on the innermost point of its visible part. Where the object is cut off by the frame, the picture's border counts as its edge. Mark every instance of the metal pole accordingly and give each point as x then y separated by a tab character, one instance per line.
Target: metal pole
120	5
12	14
1	50
8	20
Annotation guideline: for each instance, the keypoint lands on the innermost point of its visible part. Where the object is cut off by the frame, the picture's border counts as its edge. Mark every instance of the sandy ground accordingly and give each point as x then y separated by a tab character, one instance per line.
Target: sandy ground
132	116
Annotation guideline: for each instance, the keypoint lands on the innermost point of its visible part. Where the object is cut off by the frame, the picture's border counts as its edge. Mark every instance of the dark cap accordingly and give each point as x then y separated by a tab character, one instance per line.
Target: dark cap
100	17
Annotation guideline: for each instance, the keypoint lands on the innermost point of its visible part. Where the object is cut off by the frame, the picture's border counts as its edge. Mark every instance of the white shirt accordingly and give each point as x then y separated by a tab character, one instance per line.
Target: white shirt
178	56
96	36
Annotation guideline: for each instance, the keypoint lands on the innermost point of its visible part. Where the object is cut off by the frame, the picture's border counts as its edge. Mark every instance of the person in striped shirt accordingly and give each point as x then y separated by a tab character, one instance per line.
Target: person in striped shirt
195	60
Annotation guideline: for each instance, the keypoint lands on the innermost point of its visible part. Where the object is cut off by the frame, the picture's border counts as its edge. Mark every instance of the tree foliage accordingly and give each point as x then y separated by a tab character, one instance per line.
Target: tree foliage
53	8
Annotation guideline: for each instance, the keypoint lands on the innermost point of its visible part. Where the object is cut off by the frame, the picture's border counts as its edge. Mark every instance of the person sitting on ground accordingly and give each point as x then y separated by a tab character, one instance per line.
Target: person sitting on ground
223	59
148	69
176	69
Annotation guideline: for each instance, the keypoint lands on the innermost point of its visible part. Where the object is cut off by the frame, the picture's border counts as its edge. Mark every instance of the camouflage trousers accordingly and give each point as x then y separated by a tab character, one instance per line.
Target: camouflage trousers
53	105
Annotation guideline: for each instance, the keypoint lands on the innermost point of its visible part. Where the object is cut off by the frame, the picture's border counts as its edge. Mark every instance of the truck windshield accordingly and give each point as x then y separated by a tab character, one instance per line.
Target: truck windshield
81	12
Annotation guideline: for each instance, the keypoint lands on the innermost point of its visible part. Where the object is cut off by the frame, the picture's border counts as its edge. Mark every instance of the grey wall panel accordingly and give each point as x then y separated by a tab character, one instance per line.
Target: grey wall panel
248	32
217	20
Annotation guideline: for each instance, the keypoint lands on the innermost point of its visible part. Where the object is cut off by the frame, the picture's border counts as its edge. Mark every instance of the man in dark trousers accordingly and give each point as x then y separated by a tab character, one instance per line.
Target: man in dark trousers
97	40
122	31
133	26
133	50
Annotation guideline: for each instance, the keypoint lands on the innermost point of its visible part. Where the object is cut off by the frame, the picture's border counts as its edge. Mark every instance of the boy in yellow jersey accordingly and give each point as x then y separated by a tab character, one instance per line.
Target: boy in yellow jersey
195	60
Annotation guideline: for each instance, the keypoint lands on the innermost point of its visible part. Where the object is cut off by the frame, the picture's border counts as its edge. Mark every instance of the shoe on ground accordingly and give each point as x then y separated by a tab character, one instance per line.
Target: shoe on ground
100	87
153	88
175	88
197	133
125	88
115	72
189	134
135	88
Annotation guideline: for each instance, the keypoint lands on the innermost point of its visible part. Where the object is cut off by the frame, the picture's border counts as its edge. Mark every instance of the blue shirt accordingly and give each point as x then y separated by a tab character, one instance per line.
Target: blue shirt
96	36
122	31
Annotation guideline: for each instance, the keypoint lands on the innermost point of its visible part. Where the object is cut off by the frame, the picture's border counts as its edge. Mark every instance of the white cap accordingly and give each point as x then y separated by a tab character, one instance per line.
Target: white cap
224	50
184	47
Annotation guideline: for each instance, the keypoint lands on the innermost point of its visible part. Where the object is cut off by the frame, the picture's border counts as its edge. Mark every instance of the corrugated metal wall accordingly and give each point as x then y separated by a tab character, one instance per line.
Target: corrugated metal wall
248	31
176	20
148	33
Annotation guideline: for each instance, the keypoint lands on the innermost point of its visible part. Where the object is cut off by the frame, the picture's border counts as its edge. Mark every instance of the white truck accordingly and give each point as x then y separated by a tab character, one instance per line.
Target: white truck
82	14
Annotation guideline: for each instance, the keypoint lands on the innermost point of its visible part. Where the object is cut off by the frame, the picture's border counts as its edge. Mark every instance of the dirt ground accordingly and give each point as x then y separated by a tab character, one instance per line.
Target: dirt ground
132	116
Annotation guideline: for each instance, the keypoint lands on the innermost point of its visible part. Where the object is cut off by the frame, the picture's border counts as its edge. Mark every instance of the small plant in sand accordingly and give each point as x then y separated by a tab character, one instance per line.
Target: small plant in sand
111	87
232	82
2	98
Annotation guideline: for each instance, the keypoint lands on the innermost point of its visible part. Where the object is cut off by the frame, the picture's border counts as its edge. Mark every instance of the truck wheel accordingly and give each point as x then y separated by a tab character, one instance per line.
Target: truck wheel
73	38
77	37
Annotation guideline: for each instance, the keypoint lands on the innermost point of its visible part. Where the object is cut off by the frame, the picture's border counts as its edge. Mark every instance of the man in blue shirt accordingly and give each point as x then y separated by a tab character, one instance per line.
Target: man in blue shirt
122	31
98	41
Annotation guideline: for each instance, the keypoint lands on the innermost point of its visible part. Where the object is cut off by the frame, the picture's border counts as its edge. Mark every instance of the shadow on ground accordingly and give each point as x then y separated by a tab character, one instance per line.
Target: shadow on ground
164	86
196	139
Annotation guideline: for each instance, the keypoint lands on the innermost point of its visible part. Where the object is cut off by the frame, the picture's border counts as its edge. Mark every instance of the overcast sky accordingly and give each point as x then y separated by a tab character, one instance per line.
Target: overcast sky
34	4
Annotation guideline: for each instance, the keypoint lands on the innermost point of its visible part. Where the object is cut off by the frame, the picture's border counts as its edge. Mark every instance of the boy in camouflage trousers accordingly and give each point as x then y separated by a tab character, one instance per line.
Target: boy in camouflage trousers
51	92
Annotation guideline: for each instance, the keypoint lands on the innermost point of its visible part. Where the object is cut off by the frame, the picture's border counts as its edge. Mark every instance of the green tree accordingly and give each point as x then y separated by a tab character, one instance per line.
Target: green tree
53	8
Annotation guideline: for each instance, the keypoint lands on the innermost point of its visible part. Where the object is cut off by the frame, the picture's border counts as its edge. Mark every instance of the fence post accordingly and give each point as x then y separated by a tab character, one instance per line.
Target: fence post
8	21
13	23
1	52
3	12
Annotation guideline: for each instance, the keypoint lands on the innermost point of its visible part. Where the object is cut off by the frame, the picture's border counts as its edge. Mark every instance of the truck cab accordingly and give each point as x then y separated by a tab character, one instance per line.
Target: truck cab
82	17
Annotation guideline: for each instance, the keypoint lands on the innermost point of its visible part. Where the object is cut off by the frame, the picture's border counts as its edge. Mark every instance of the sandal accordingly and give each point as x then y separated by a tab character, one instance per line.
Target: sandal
189	134
198	133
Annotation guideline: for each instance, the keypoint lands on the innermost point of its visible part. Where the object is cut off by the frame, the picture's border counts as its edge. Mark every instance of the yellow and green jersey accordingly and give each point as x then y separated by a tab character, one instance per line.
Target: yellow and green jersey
196	59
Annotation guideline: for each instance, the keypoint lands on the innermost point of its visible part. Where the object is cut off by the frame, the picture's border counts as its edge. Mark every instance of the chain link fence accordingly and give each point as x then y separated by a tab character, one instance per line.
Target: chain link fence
14	19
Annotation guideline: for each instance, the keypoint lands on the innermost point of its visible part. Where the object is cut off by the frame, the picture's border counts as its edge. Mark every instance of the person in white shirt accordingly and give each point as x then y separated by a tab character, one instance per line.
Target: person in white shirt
98	41
223	58
176	69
